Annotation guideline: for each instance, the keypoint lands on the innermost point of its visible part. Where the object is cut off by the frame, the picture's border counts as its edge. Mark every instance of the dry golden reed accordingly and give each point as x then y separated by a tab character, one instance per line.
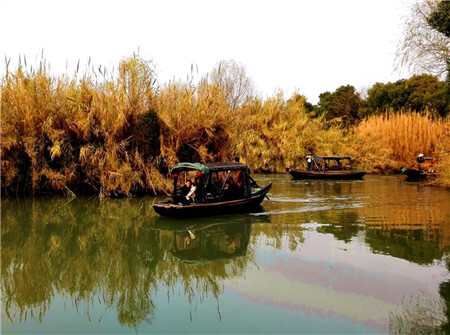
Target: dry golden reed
120	135
82	136
388	142
276	134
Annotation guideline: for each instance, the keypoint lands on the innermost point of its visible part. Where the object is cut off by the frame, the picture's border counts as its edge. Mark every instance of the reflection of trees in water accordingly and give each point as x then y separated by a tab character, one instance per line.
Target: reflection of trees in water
417	233
329	188
201	256
273	235
422	315
444	291
87	250
412	245
344	225
82	249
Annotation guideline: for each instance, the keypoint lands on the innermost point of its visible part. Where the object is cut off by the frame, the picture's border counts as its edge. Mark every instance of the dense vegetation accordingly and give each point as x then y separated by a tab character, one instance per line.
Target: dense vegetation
119	134
419	93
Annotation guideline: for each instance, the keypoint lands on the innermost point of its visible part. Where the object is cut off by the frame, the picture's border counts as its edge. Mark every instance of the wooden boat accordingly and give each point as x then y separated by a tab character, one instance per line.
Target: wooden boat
329	167
425	169
417	174
210	199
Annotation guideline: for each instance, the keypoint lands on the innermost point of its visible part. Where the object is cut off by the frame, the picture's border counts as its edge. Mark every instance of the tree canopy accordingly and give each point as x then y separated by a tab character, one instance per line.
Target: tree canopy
343	105
419	93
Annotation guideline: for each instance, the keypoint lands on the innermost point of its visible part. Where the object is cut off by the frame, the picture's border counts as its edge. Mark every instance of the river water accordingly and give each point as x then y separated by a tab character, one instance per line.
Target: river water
368	256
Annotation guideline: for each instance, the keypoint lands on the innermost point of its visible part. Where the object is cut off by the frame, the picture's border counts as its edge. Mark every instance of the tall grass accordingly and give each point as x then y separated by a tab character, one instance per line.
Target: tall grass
388	142
193	119
274	134
84	136
119	135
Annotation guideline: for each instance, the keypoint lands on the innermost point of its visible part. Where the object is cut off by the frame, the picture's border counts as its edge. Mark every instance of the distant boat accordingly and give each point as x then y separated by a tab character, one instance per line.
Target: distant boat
414	174
212	199
420	173
329	167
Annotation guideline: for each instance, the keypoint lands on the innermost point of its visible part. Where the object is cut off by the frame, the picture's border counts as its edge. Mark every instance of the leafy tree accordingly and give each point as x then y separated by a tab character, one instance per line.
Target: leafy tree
439	18
426	45
343	104
422	92
311	110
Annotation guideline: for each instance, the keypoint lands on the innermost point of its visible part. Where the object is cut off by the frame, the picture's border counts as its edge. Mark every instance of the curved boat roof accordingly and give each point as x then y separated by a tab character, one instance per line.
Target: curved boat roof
333	157
208	167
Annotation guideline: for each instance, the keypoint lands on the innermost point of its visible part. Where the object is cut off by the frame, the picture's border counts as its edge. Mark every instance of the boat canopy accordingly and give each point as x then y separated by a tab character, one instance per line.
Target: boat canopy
226	166
189	167
208	167
334	158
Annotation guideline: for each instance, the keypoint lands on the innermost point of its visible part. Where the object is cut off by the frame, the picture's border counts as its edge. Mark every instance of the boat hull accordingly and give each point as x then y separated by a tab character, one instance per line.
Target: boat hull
414	174
216	208
346	175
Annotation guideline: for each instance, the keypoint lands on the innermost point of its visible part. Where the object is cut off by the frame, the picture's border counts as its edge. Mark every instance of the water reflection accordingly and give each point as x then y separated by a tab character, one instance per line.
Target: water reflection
419	315
81	250
113	250
317	249
199	243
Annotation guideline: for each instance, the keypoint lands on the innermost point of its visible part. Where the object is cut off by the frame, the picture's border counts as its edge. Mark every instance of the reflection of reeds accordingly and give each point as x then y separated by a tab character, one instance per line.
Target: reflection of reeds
418	315
87	250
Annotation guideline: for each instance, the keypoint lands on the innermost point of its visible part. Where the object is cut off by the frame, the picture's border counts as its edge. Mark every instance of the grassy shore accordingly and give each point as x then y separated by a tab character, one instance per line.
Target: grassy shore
118	135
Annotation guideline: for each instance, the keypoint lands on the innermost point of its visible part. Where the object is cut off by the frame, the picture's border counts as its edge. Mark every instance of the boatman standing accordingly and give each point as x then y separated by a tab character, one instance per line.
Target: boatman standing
309	159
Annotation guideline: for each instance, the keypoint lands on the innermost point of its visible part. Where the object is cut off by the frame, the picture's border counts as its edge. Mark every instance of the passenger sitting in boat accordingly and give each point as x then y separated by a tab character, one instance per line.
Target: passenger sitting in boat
231	190
187	192
197	192
420	159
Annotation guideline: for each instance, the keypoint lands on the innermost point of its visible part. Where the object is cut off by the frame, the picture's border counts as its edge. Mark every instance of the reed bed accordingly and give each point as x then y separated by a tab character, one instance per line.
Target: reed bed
386	143
82	136
119	135
193	123
276	134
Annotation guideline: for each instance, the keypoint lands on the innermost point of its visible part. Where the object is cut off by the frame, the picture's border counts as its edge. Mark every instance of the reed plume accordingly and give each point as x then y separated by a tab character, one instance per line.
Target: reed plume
390	141
119	135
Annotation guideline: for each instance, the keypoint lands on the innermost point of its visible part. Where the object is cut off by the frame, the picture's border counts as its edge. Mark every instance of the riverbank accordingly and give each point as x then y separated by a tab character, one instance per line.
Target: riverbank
119	135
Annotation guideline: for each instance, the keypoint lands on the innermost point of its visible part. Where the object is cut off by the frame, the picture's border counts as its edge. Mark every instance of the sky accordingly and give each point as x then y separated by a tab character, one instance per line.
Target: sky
293	46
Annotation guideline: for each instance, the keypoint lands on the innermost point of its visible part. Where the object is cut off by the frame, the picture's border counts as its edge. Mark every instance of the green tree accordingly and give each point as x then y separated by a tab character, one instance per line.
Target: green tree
343	105
439	18
419	93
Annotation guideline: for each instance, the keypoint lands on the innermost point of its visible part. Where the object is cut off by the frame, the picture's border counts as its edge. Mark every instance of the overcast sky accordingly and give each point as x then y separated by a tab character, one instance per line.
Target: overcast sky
295	46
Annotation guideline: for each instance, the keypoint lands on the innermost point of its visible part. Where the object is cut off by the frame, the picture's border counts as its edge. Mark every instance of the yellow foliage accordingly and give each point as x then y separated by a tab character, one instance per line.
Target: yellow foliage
120	135
391	141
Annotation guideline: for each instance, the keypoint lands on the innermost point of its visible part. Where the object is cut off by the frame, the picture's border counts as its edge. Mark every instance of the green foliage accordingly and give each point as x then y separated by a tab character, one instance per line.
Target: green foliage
419	93
341	106
439	18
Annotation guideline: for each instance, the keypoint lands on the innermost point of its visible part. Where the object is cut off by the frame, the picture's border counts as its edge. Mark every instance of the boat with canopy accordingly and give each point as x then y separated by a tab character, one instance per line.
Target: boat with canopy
220	188
329	167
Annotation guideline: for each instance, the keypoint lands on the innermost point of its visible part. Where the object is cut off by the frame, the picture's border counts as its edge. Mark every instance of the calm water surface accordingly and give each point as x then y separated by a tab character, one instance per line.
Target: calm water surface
367	256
